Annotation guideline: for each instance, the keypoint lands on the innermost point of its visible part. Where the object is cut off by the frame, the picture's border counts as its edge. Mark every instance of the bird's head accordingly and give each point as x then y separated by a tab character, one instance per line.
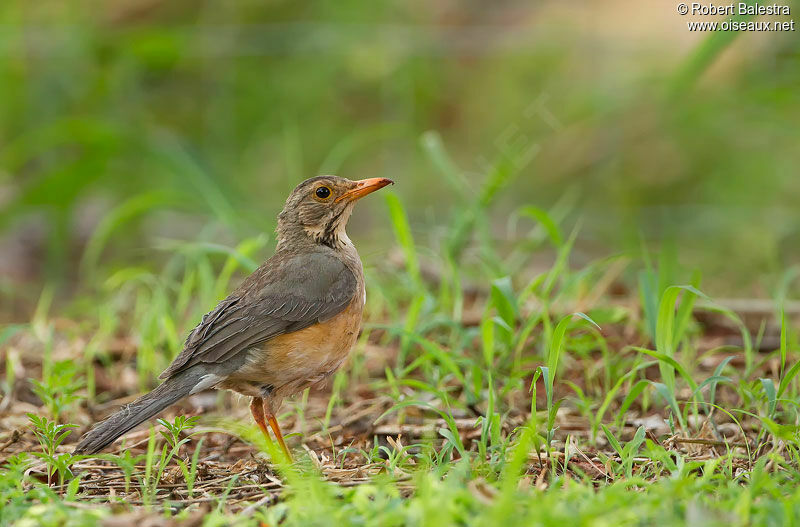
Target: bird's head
318	209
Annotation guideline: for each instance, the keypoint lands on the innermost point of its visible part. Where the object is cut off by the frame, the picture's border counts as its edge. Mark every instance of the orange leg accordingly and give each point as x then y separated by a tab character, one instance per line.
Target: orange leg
257	409
276	429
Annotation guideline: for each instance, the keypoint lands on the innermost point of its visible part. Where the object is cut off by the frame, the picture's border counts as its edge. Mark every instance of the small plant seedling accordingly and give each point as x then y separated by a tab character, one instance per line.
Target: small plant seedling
50	436
159	463
627	452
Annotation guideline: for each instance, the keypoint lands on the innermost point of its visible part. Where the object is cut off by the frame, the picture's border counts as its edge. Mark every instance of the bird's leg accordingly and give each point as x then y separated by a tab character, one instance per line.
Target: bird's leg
257	409
276	429
273	423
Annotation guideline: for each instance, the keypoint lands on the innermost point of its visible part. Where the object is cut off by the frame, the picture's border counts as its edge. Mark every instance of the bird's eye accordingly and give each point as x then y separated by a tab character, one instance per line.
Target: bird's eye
323	192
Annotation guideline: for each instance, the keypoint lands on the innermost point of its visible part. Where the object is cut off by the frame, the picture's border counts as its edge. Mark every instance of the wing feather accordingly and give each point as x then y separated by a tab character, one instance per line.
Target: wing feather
288	293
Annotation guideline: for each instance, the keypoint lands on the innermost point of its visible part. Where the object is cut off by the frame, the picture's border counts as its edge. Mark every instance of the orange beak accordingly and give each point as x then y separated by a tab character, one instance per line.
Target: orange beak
364	187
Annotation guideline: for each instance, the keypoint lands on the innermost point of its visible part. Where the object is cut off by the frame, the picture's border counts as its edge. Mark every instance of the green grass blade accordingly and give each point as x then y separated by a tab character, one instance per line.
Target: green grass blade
402	232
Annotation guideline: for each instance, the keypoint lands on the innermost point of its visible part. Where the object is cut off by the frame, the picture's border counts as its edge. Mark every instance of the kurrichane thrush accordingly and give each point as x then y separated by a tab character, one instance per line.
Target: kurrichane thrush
288	326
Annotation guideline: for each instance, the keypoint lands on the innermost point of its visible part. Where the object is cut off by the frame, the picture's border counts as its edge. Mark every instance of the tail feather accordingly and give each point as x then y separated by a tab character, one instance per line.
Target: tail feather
126	419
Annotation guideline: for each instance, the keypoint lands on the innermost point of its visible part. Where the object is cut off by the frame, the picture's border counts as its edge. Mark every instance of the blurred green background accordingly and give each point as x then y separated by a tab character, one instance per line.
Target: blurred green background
174	120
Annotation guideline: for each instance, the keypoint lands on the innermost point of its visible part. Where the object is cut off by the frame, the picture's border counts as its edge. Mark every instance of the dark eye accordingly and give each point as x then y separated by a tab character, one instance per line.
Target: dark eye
323	192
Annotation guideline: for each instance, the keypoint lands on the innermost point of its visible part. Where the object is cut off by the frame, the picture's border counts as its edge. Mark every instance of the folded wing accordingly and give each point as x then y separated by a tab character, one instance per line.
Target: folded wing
288	293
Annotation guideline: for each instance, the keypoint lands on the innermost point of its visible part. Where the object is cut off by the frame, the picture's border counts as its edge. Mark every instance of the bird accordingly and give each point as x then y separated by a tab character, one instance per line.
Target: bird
288	326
